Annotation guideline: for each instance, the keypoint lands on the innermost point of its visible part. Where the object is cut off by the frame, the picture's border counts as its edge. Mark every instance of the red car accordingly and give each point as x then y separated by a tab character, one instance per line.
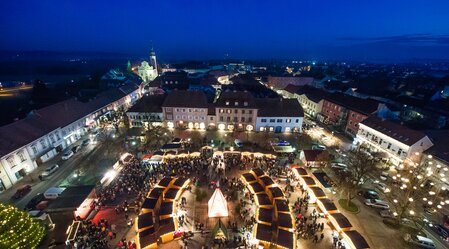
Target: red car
21	192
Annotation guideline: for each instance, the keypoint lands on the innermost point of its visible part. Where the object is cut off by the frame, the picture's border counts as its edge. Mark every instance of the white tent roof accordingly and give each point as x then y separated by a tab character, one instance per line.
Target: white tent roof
218	206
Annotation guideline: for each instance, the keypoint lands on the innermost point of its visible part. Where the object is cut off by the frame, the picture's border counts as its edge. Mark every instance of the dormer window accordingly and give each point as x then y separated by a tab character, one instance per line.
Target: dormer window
245	103
227	102
236	103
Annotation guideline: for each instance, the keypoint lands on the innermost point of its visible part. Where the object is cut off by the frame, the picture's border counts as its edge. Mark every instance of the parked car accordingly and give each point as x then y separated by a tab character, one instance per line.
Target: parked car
442	231
369	194
22	191
86	142
420	241
53	193
384	175
318	147
49	171
380	186
67	155
238	143
38	215
386	214
339	166
280	143
34	201
376	203
76	148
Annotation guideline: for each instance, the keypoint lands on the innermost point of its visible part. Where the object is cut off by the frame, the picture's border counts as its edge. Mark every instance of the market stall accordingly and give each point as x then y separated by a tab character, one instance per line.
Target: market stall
340	222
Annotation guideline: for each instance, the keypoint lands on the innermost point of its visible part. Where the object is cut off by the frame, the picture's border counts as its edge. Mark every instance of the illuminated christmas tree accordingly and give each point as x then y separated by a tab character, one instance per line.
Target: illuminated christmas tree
18	229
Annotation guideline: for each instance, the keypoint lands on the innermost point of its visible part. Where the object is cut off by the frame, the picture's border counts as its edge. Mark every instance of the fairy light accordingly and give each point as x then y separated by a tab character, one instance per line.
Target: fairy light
18	229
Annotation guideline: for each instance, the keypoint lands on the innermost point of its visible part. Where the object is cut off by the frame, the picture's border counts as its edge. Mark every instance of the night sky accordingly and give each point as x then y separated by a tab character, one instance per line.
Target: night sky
347	29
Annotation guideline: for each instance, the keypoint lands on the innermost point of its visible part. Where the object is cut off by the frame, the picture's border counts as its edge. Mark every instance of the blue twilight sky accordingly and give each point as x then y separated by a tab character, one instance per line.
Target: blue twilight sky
345	29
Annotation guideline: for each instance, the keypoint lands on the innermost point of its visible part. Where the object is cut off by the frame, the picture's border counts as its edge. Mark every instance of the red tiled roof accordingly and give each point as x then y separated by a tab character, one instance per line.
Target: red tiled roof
396	131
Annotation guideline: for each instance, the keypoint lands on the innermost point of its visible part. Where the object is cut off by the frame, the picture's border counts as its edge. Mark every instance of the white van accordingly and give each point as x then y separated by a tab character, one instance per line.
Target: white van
53	193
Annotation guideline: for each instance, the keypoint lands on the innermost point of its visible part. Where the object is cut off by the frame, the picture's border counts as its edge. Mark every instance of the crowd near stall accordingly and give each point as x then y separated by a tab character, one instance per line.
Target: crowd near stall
344	236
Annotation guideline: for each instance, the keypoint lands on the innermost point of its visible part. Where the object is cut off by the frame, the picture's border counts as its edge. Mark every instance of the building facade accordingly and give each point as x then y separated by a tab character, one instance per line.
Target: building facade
236	111
46	132
185	109
146	112
396	142
148	71
279	115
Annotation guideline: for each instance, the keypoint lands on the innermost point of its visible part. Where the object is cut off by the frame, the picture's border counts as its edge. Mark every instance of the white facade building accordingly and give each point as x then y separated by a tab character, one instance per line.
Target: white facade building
279	115
148	71
398	142
185	109
46	132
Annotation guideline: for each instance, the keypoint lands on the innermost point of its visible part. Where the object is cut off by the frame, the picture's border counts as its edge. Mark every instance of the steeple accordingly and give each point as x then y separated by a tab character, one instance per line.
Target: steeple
153	58
128	67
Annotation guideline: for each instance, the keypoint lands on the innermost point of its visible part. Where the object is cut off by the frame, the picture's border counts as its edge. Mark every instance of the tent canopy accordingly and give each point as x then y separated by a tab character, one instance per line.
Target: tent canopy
220	231
217	205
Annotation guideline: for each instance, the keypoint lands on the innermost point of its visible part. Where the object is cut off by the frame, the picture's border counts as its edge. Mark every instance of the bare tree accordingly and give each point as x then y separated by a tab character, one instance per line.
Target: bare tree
156	136
351	180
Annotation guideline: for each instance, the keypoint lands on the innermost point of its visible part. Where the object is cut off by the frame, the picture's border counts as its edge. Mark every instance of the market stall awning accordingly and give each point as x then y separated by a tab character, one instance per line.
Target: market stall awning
275	192
265	215
318	192
156	192
285	220
181	182
281	205
144	221
165	181
248	177
166	208
166	226
356	240
257	172
146	157
327	205
300	171
340	222
266	181
171	193
256	187
286	239
307	180
263	199
149	203
263	232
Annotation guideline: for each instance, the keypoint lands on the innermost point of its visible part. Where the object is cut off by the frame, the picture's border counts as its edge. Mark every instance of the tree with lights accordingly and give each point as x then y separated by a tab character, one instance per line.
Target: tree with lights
412	188
18	229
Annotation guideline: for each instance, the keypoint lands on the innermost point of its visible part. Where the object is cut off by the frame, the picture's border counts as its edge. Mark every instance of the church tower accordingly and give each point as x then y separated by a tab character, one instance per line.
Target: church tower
153	59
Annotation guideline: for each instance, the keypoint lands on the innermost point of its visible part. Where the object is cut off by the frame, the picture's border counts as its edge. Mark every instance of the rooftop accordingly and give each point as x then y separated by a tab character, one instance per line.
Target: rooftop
396	131
181	98
313	93
236	99
364	106
148	104
279	108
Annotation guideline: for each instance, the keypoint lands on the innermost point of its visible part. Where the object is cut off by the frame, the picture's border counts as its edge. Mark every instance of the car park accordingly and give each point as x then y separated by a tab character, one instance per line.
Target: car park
238	143
369	194
34	201
22	191
67	155
339	166
382	187
280	143
377	203
420	241
49	171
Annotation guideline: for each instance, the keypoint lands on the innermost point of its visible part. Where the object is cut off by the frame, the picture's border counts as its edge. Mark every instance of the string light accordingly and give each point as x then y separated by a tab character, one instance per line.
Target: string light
18	229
